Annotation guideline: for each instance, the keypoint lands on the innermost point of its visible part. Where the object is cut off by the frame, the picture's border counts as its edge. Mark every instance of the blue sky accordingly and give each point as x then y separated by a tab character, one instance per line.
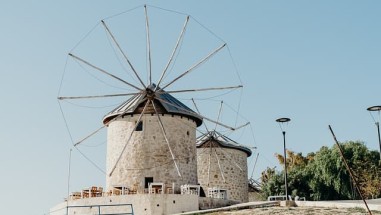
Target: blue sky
316	62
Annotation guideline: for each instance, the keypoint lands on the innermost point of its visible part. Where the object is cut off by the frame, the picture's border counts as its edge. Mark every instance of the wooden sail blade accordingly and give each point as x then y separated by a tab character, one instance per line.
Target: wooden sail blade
219	165
166	139
209	161
122	52
173	52
202	89
219	114
88	136
148	45
198	111
193	113
96	96
241	126
129	139
195	66
230	157
103	71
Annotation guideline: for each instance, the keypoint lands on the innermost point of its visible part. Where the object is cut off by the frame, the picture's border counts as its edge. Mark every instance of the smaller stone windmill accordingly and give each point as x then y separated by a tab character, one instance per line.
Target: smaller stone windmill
222	164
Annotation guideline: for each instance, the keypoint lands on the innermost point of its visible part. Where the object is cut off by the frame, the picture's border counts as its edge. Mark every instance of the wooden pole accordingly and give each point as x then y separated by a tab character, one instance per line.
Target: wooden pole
349	170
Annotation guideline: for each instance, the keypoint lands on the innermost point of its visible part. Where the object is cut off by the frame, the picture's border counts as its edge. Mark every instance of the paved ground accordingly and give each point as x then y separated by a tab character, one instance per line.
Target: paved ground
305	208
297	211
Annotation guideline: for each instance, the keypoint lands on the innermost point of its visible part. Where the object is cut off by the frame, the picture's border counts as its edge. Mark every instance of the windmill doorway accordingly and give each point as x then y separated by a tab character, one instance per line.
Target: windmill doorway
147	181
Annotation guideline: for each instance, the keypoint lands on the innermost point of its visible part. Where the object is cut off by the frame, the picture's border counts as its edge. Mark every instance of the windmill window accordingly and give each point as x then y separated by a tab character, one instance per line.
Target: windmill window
188	133
139	127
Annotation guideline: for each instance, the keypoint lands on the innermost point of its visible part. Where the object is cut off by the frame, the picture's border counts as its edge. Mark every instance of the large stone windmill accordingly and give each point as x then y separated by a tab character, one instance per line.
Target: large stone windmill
151	138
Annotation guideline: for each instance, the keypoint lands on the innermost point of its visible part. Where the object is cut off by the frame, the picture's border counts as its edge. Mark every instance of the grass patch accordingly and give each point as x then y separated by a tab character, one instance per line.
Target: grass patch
357	210
264	209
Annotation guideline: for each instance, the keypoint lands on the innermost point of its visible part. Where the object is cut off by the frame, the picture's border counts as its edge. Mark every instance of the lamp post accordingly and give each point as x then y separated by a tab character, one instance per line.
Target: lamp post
281	122
376	121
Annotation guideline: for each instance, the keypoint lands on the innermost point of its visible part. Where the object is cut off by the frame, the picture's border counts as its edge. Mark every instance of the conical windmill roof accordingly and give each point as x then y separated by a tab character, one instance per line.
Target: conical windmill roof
223	141
164	102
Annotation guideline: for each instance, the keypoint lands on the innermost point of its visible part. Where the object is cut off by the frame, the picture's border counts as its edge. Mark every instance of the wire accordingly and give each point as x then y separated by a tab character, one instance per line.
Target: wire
211	32
92	162
127	11
215	96
66	124
268	160
72	141
117	56
172	11
175	58
256	159
63	75
95	77
88	33
252	132
239	108
91	107
234	64
68	178
92	146
229	132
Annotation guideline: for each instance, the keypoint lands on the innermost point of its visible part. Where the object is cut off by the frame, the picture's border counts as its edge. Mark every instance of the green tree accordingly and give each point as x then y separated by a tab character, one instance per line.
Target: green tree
323	176
272	182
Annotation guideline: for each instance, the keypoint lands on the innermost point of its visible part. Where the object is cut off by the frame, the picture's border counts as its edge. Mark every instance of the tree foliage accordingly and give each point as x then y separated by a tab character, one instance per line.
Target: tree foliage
323	175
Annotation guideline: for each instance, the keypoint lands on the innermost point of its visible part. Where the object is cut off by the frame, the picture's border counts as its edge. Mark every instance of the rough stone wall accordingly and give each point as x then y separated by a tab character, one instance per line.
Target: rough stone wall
255	196
147	153
210	203
235	178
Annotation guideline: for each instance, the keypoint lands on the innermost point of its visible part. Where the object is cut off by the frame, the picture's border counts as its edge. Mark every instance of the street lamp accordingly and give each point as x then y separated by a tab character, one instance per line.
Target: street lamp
376	121
282	122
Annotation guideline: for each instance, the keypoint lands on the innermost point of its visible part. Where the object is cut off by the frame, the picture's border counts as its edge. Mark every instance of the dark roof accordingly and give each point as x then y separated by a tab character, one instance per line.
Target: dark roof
167	103
222	140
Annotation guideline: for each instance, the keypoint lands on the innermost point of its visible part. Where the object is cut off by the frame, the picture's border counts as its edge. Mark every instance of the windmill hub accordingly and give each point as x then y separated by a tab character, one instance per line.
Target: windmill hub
150	91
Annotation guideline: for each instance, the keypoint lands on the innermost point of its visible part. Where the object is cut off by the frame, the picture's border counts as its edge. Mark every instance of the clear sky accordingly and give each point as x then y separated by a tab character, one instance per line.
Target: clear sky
316	62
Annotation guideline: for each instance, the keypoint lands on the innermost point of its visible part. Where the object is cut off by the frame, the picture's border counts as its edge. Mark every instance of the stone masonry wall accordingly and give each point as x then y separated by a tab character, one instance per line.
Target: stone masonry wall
235	178
147	153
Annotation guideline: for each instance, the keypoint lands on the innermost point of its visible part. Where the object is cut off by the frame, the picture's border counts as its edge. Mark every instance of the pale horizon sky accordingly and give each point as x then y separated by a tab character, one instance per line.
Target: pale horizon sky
316	62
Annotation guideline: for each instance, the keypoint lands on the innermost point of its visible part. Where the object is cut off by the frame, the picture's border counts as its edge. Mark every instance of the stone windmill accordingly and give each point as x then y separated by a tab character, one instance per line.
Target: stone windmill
151	139
222	164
